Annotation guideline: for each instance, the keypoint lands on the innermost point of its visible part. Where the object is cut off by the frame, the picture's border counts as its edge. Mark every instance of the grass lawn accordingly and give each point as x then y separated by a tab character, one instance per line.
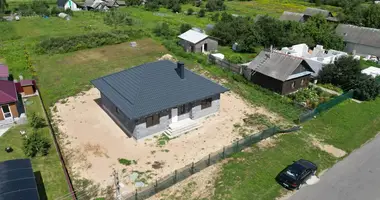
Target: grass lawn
64	75
250	175
48	166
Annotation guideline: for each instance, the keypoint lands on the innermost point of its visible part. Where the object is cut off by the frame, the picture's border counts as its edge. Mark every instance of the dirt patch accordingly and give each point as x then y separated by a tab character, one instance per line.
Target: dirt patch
329	148
93	143
198	186
267	143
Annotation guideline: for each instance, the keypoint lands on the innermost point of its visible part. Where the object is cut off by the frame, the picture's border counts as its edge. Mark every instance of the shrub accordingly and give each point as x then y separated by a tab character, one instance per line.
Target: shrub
176	8
236	59
202	13
215	17
152	6
91	40
190	11
215	5
163	30
126	162
35	144
115	18
36	121
55	11
184	27
197	3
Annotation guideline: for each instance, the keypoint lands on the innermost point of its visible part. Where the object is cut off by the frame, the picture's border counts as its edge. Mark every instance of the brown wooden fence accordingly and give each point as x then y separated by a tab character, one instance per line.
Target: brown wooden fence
225	64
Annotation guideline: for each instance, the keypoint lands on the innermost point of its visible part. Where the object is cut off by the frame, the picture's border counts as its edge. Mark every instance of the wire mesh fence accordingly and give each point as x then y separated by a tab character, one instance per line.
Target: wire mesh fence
325	106
213	158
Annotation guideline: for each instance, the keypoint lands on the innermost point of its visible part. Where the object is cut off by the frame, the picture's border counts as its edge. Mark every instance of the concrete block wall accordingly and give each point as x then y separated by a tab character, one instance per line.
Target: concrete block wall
197	112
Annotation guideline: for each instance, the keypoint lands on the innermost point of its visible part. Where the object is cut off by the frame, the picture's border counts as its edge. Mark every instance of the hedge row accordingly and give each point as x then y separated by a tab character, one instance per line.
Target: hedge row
56	45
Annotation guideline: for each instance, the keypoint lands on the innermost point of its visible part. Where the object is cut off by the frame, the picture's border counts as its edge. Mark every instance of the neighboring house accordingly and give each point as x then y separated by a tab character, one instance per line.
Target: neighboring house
102	4
358	40
18	180
10	103
155	97
292	16
309	12
194	41
372	71
68	4
279	72
4	73
316	58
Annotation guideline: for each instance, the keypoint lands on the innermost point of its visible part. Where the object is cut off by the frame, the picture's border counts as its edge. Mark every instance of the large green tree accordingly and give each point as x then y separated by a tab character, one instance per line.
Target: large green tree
3	5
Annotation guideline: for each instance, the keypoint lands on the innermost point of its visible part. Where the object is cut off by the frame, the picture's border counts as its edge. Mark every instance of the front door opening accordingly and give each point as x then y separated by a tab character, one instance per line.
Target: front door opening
6	111
205	47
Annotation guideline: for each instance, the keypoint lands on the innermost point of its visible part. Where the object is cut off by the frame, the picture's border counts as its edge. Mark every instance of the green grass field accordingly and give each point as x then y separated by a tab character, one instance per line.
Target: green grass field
48	166
250	175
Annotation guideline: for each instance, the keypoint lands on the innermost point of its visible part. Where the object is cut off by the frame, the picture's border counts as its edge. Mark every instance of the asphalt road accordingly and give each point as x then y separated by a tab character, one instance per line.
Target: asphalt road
357	177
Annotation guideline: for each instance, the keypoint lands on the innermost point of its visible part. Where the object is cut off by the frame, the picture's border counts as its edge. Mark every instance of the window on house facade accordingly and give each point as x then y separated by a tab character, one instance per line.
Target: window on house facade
182	109
152	120
206	103
293	85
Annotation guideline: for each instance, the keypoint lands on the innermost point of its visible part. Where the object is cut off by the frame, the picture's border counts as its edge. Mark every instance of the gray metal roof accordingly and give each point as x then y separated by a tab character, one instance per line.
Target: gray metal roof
315	11
193	36
291	16
152	87
359	35
276	65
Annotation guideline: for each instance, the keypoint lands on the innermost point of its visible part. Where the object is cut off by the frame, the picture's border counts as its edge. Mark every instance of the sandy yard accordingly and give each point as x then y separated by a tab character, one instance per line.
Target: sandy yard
93	143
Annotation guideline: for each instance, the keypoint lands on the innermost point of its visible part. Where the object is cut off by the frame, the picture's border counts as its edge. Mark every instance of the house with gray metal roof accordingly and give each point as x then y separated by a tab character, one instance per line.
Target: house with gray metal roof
157	97
309	12
358	40
279	72
196	41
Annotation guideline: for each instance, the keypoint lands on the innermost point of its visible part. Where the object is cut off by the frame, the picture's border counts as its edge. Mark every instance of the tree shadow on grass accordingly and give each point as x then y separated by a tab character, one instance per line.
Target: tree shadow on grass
40	185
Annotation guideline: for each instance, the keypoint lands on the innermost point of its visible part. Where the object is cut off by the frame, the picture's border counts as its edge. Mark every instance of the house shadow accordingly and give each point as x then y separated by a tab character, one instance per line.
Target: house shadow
113	117
20	104
40	185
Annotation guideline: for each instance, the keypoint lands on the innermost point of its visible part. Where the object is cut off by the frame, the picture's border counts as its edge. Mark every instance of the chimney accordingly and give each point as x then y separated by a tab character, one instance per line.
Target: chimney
181	69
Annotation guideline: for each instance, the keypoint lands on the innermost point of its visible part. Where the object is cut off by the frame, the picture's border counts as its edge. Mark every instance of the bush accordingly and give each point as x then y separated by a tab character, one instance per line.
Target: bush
36	121
91	40
126	162
54	11
152	6
197	3
235	59
215	17
190	11
176	8
202	13
215	5
115	18
163	30
35	144
184	27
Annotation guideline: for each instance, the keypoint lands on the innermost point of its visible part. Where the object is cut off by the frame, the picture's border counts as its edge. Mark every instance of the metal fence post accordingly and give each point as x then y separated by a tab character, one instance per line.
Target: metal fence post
155	186
175	176
192	168
237	146
224	154
208	162
136	195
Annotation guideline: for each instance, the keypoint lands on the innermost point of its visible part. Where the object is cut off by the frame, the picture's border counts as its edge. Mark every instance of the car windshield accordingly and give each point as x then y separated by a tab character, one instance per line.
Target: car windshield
293	171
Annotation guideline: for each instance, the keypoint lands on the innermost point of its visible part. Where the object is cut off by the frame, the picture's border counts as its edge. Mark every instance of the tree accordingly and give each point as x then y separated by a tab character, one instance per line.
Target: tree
202	13
215	5
365	87
184	28
341	72
176	8
197	3
36	121
3	5
372	16
35	144
190	11
151	6
215	17
133	2
163	30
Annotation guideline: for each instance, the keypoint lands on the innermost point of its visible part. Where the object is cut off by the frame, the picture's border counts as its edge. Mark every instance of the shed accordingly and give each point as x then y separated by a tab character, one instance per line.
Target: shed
372	71
292	16
194	41
28	87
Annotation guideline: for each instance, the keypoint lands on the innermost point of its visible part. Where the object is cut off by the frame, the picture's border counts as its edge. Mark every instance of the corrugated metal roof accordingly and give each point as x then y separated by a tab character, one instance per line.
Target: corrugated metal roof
193	36
359	35
291	16
152	87
7	92
4	71
315	11
276	65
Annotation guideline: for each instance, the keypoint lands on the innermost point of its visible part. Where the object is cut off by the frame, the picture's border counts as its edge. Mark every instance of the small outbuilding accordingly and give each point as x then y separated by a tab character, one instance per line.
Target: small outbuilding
195	41
372	71
68	4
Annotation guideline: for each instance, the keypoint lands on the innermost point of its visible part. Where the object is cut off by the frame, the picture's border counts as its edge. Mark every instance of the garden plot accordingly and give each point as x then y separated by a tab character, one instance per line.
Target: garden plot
94	145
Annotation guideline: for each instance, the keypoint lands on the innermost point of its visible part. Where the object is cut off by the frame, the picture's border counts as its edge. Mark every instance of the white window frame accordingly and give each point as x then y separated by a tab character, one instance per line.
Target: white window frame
10	111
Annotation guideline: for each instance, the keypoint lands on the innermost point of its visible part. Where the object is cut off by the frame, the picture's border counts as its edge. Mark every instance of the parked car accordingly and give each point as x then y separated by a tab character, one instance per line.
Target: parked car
294	175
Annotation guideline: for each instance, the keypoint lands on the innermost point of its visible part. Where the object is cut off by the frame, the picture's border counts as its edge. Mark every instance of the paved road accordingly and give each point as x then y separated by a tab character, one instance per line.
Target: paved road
357	177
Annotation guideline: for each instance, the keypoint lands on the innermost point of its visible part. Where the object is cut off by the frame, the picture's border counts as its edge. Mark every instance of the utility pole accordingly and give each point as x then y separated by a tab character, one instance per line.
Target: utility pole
117	186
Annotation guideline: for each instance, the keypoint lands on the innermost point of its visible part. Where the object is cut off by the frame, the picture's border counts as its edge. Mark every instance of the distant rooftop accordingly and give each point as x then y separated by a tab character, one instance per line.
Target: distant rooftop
193	36
4	73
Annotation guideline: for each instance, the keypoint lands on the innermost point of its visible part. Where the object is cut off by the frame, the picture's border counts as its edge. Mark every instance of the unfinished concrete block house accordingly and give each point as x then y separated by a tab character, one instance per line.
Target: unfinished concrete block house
158	97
